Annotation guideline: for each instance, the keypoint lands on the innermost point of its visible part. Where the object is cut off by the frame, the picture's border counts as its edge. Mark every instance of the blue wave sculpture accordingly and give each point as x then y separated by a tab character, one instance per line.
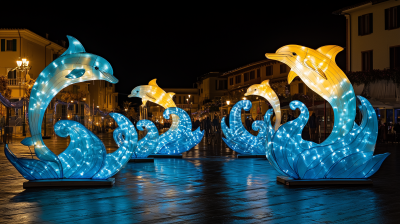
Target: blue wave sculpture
181	139
239	139
147	145
86	156
349	157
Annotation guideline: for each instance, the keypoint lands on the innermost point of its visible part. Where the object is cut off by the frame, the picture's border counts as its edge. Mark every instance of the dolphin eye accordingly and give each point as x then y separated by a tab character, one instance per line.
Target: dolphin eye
97	68
137	91
294	54
255	89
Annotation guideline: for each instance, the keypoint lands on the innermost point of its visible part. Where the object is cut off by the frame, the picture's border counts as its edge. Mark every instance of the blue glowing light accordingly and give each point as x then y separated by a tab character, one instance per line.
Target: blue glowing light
181	139
239	139
349	157
86	155
147	145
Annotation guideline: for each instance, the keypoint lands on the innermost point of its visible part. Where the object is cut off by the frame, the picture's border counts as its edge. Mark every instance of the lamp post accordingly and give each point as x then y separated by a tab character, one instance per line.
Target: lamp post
22	66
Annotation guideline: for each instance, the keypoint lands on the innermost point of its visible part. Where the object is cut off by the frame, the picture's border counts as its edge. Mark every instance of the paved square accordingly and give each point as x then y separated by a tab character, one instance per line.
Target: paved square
209	185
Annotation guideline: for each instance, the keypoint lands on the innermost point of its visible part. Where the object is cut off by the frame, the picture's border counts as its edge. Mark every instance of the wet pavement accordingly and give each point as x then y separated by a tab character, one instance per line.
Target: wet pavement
209	185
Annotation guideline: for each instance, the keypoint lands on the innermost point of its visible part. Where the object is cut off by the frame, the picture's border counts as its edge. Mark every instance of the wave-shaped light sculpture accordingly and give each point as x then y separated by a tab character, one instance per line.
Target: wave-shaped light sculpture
240	140
348	157
348	151
85	157
182	139
170	142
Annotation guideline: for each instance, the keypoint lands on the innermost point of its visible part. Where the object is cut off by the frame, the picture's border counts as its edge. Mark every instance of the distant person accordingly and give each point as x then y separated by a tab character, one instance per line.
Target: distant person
196	124
215	123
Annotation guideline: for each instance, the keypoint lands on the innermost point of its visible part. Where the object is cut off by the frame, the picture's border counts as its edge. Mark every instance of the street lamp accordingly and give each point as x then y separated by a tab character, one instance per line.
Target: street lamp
22	65
228	102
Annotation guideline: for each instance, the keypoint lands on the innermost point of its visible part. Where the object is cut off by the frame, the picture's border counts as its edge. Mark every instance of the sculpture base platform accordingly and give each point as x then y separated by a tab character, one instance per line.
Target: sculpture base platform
165	156
69	183
288	181
141	160
242	156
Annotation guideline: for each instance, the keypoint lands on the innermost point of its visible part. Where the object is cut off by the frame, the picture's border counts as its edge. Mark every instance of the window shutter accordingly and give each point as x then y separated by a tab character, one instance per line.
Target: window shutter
14	44
397	16
359	25
371	22
386	19
3	44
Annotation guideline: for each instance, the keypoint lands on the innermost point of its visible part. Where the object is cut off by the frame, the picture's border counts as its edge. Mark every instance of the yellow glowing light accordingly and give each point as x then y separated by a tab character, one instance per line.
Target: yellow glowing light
24	60
228	102
97	106
153	93
265	90
19	63
318	70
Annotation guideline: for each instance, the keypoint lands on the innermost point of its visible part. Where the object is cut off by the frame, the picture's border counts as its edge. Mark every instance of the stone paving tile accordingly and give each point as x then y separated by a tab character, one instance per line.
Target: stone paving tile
209	185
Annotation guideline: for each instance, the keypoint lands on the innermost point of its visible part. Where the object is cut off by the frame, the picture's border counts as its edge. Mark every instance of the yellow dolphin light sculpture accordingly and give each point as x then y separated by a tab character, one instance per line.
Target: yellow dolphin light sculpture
153	93
318	70
265	90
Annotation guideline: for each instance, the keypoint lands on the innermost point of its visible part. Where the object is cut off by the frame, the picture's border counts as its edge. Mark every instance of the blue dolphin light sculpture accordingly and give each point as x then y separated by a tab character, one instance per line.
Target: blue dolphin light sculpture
86	156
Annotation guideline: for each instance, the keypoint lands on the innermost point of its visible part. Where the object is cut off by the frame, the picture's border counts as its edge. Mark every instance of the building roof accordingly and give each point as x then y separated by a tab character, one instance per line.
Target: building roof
339	12
29	35
249	67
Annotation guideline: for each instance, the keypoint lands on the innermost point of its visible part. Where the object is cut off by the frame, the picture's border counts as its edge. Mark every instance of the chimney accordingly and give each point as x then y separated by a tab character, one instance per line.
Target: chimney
47	36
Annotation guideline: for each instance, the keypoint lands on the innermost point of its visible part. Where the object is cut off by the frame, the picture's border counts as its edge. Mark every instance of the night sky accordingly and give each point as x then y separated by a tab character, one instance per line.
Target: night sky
176	43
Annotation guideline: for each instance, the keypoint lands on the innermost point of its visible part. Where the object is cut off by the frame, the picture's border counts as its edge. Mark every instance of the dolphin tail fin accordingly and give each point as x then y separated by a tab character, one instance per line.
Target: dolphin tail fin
27	141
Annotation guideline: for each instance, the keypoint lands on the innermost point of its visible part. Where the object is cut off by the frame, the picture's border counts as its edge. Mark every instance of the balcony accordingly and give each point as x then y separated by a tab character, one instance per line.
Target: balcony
16	82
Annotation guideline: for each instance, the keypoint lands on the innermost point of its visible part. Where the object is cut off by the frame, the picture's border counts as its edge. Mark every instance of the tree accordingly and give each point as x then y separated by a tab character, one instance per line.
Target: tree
4	90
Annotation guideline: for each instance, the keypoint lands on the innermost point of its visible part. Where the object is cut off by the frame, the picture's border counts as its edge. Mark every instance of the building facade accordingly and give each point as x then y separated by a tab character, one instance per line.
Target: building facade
373	52
240	79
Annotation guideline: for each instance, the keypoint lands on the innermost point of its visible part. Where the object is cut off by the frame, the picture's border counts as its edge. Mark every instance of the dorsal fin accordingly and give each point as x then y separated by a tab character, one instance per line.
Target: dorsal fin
330	51
291	76
74	46
265	82
153	82
171	94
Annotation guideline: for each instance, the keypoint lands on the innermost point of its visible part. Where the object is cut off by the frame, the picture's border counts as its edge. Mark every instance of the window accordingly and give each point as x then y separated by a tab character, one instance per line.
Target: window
252	75
268	70
216	84
222	84
392	20
258	73
367	62
301	88
230	81
246	76
395	57
8	45
179	99
201	90
283	68
365	24
226	84
82	109
75	89
116	100
238	79
63	110
12	74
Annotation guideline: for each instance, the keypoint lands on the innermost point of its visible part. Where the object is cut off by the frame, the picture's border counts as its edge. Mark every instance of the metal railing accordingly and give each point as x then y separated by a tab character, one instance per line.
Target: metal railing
15	82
